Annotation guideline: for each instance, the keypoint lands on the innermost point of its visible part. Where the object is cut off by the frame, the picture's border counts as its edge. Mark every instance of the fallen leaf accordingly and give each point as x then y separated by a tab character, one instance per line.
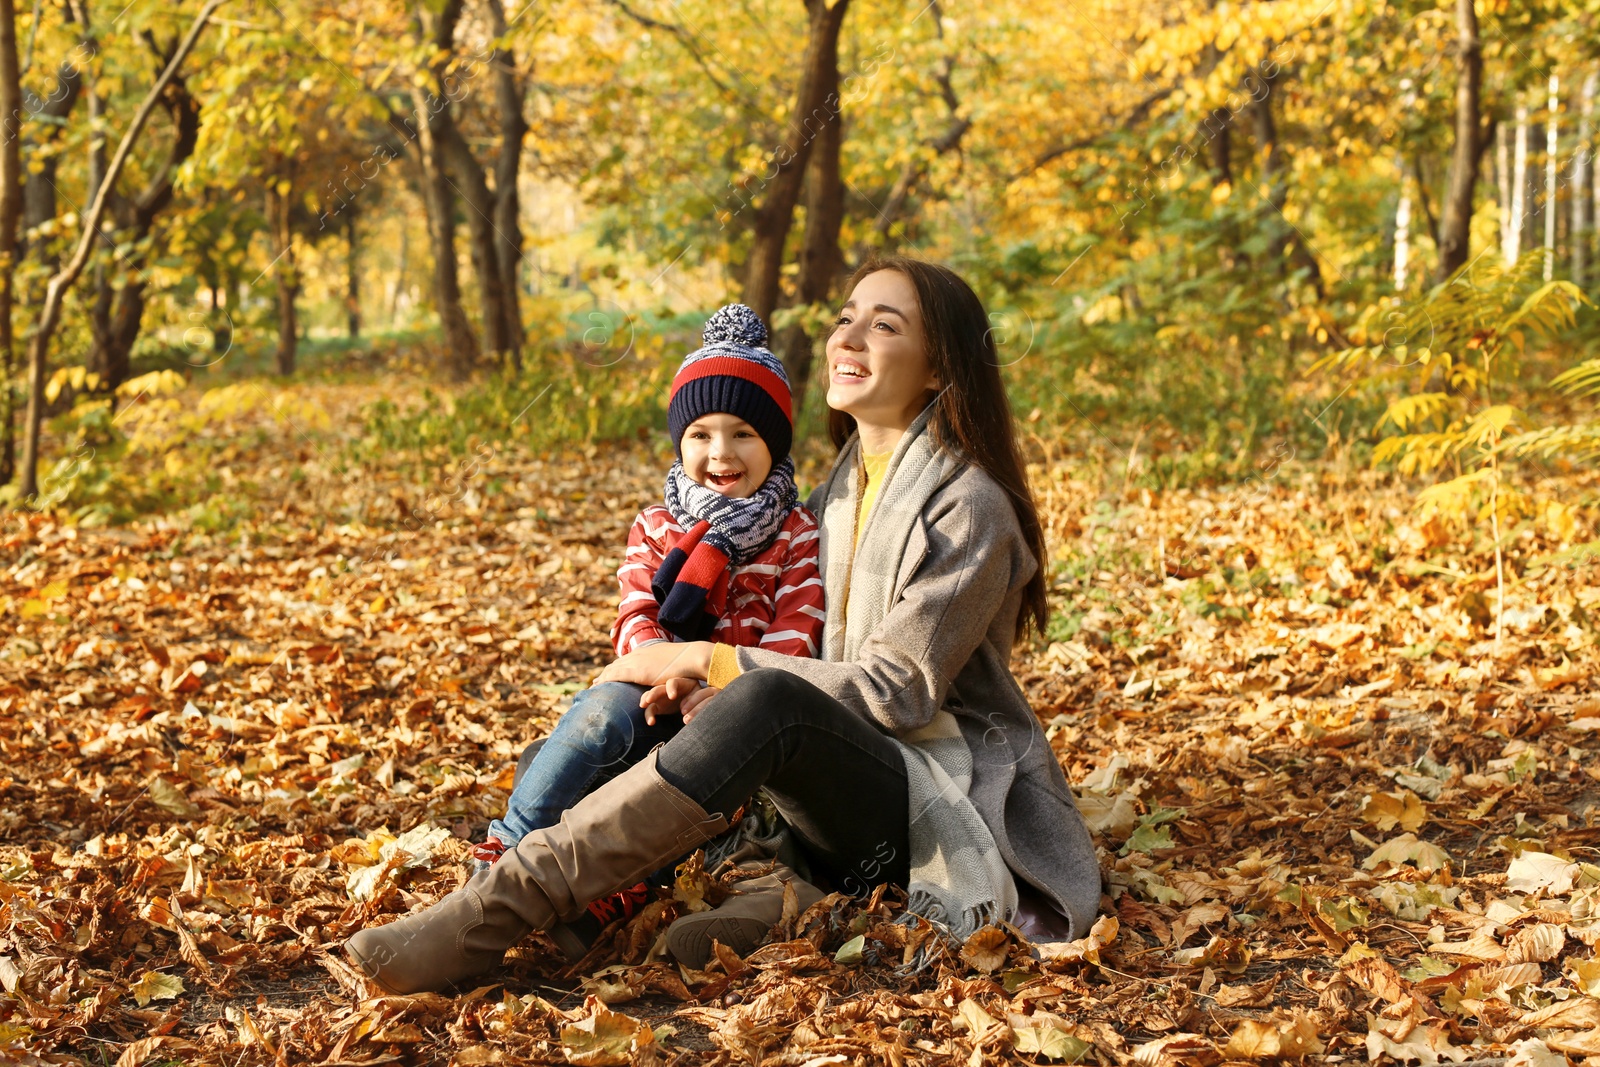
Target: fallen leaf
1268	1039
1423	1044
1579	1013
1177	1050
1532	871
168	797
971	1017
1050	1041
986	949
1112	816
137	1052
1388	810
153	985
605	1038
1227	953
1536	944
1531	1052
1406	848
1585	974
1101	934
1247	996
1377	976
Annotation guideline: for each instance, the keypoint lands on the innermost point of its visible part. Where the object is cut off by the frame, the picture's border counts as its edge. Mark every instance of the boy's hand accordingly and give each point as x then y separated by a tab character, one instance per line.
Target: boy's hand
655	663
695	701
665	698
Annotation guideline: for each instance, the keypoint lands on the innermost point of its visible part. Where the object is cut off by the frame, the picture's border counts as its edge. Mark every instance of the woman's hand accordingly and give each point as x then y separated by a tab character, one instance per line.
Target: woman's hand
654	664
665	699
695	701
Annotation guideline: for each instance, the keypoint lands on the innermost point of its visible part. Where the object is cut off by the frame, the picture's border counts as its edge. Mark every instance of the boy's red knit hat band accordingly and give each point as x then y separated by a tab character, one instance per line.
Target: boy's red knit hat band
736	367
733	373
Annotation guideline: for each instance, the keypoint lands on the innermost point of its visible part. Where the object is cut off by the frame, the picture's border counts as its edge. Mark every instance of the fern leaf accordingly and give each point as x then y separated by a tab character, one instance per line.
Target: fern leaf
1582	380
1453	498
1408	411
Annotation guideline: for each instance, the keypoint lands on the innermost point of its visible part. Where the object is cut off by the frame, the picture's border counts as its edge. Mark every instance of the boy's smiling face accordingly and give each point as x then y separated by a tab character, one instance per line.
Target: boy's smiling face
725	454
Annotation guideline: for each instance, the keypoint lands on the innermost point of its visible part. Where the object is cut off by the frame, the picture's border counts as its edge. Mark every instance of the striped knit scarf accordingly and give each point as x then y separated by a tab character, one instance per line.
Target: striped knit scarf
719	532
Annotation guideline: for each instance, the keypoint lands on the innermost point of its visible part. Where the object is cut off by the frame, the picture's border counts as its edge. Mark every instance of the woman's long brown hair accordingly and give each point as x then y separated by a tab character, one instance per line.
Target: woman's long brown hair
973	414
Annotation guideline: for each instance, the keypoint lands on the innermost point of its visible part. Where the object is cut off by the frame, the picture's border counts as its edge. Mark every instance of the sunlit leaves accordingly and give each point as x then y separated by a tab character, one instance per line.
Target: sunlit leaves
153	985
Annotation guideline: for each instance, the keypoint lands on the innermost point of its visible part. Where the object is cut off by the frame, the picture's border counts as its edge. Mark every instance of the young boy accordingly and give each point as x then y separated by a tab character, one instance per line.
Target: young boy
729	555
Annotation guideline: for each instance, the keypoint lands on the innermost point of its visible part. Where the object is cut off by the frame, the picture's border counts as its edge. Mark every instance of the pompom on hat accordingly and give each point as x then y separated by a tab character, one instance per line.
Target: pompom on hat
734	373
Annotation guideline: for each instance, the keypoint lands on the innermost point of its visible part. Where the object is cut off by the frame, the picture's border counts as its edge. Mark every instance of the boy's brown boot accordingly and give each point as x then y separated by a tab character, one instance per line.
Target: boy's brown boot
611	838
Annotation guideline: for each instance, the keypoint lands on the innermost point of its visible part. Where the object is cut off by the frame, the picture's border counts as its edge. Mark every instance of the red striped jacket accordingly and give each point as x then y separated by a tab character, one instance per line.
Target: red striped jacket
774	601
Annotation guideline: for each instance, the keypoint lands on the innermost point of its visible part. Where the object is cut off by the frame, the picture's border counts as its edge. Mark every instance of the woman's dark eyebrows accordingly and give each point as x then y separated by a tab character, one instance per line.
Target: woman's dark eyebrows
880	307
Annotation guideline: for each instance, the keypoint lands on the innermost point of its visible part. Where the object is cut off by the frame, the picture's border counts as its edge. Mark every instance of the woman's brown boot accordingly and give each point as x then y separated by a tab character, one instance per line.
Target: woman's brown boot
611	838
742	921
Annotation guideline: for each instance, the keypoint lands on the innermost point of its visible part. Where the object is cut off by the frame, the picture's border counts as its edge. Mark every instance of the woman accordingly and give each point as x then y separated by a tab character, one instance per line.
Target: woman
907	753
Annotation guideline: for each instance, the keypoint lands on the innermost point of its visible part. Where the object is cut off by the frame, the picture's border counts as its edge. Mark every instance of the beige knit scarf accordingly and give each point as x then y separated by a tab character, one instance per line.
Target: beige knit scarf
958	876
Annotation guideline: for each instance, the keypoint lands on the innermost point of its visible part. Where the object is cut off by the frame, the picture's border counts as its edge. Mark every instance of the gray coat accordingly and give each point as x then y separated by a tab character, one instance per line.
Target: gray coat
946	643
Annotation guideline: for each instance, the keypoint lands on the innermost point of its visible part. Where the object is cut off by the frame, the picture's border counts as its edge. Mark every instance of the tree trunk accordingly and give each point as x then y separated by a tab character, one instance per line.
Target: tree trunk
820	258
1551	145
1402	214
100	280
10	213
1519	188
223	300
510	95
1222	148
278	206
1285	247
474	188
461	347
352	289
1582	169
813	112
117	315
1402	235
1456	225
39	187
61	282
1508	253
431	123
399	278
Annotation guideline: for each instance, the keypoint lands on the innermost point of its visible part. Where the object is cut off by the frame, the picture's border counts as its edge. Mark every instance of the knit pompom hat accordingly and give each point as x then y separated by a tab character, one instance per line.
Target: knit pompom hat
733	373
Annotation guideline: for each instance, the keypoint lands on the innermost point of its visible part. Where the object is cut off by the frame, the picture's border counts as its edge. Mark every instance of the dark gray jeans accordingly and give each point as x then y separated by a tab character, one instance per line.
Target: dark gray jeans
839	781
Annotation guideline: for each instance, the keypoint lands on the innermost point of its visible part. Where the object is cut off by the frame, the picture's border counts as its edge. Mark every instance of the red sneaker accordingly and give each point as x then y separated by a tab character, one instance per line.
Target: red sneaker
623	904
489	851
577	937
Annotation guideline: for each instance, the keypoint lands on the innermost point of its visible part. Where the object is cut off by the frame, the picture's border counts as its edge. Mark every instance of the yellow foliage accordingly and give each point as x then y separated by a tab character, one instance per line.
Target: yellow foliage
156	383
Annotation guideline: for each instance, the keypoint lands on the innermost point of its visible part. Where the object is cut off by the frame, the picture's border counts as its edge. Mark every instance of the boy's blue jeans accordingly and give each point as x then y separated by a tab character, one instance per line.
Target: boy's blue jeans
602	734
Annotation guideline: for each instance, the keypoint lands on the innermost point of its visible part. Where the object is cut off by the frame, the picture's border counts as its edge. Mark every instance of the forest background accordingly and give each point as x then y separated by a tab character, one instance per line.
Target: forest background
335	341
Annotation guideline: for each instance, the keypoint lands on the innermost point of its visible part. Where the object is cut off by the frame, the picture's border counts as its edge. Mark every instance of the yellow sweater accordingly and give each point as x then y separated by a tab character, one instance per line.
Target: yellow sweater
724	663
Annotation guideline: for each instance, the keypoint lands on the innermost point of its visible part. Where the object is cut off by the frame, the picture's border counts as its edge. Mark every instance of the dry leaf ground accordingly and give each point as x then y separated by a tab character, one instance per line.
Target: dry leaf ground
1339	821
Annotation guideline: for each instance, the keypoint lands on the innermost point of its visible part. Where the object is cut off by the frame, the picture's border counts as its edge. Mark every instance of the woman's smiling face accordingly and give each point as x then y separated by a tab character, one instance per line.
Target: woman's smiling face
878	369
724	453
